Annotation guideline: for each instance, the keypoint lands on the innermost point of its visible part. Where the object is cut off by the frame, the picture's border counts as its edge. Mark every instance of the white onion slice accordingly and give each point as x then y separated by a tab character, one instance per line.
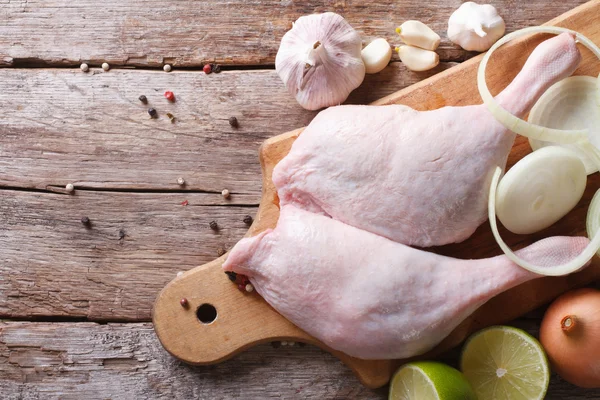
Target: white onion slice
592	222
540	189
564	269
570	103
518	125
587	141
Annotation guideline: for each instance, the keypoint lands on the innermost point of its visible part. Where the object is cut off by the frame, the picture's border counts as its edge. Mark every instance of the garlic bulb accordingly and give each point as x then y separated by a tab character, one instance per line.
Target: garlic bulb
319	60
475	27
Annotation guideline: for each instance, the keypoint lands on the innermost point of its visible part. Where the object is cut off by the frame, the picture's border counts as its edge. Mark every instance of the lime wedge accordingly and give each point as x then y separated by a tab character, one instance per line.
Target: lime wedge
505	363
431	381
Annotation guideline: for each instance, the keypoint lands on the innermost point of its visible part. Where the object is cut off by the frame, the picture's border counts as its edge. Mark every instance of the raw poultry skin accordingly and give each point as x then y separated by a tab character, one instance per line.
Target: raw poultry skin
418	178
368	296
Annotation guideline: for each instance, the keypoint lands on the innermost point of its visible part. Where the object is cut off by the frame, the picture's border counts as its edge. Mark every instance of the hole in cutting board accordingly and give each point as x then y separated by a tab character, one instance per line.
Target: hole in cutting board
206	313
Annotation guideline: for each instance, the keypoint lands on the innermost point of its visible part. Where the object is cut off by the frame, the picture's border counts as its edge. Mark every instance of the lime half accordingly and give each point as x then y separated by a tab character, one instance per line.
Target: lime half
426	380
505	363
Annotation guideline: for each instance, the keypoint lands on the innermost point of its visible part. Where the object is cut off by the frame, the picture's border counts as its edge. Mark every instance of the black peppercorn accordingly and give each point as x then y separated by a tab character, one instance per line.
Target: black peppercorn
231	275
213	225
143	99
233	122
85	221
122	234
152	112
216	68
248	220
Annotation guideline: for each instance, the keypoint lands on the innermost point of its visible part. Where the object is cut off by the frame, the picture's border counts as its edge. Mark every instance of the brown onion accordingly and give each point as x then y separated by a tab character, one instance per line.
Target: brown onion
570	334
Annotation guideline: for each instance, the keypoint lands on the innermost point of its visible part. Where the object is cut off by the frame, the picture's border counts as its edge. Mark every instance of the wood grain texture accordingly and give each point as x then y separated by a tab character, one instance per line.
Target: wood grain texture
179	331
65	126
126	361
52	265
190	33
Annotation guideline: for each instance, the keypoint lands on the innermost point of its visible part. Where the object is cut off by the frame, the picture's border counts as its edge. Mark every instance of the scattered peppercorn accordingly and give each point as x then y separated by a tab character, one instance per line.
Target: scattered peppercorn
216	68
207	69
85	221
214	226
185	203
152	112
242	287
171	117
121	234
225	193
167	68
233	122
248	220
184	303
276	345
105	66
143	99
180	181
231	275
249	288
70	188
84	67
220	251
170	95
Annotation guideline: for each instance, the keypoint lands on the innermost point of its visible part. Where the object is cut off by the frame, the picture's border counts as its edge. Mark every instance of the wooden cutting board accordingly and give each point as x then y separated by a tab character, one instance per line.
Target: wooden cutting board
241	320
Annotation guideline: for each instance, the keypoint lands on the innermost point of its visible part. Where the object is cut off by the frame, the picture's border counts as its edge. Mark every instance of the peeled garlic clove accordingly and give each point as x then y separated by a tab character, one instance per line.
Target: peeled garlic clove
416	33
475	27
417	59
376	56
319	60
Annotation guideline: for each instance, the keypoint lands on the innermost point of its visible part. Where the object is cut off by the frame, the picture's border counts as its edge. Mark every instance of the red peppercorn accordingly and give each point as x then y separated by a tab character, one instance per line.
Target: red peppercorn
207	69
242	287
184	303
170	96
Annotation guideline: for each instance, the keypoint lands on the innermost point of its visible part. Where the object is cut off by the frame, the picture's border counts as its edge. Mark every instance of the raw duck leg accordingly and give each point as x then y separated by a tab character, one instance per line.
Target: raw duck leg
418	178
368	296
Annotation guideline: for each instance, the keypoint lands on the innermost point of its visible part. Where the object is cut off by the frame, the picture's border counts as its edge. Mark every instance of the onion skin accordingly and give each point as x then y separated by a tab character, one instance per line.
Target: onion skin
570	334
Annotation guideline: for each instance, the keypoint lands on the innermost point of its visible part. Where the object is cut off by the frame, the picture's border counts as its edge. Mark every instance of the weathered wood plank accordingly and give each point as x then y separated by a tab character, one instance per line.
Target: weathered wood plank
125	361
191	33
62	126
53	265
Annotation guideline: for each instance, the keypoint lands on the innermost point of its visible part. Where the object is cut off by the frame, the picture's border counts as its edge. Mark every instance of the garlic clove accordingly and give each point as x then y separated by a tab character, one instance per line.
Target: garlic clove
475	27
376	55
416	33
319	60
417	59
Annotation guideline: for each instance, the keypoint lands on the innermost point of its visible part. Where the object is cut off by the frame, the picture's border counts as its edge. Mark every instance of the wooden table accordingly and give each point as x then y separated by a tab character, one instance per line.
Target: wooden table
75	300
